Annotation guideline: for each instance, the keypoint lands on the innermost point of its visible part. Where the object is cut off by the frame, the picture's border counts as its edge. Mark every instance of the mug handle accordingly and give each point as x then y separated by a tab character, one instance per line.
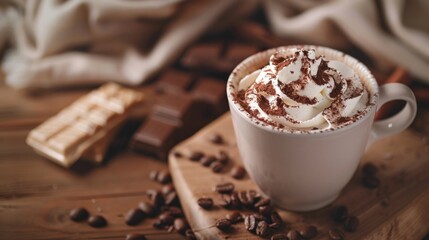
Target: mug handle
401	120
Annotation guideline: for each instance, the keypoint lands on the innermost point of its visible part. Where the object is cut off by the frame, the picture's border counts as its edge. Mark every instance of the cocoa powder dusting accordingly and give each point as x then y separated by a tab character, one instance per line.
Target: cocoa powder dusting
321	76
291	93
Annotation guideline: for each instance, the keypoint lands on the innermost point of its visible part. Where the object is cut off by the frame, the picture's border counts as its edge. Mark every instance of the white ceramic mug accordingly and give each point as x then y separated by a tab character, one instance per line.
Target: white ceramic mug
306	171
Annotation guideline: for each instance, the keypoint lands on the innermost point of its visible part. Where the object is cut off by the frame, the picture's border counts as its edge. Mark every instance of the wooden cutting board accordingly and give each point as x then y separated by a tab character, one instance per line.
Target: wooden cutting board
398	209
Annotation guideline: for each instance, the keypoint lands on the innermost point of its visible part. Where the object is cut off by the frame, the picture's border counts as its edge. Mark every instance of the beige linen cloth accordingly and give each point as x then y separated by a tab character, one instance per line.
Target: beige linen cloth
62	43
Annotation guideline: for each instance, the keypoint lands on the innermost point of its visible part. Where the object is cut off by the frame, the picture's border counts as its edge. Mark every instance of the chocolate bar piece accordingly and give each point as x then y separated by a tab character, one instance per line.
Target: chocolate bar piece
212	92
74	131
238	52
174	81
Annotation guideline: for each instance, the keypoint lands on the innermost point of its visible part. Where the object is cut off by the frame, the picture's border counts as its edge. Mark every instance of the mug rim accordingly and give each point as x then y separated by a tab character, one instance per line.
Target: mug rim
348	60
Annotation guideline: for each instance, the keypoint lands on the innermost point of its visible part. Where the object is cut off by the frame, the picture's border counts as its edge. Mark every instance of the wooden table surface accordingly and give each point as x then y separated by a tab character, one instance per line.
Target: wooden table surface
36	194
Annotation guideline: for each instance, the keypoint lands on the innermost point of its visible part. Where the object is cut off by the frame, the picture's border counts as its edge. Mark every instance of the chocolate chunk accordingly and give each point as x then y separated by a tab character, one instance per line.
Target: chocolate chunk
153	175
204	57
174	211
238	52
294	235
167	189
79	214
265	210
224	188
351	224
307	231
223	224
250	223
211	92
171	199
196	156
135	236
336	234
238	172
97	221
369	169
156	137
134	216
148	209
216	166
235	217
190	234
207	160
370	181
174	81
339	214
181	225
222	157
163	177
279	236
206	203
276	220
262	202
215	138
262	229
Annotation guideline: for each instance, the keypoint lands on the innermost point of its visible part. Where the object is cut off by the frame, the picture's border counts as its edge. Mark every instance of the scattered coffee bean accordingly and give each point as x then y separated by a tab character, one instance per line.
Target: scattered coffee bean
166	189
262	229
207	160
156	198
279	236
97	221
340	213
178	154
148	209
135	236
223	224
163	177
224	188
246	198
166	218
276	220
171	199
196	156
255	195
336	234
223	157
181	225
371	181
351	224
216	139
170	228
238	172
262	202
235	200
369	169
79	214
174	211
190	234
206	203
216	166
153	175
294	235
158	224
134	216
250	223
265	210
235	217
307	231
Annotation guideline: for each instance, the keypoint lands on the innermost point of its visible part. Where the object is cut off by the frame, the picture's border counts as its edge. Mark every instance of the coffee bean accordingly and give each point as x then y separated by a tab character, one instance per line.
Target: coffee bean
276	220
262	229
207	160
163	177
166	218
250	223
223	157
205	203
97	221
156	198
171	199
158	224
294	235
235	200
262	202
147	208
166	189
234	217
238	172
181	225
224	188
216	166
279	236
255	195
265	210
223	224
369	169
190	234
135	236
178	154
174	211
170	228
246	199
153	175
371	181
134	216
196	156
307	231
339	214
216	139
336	234
351	224
78	214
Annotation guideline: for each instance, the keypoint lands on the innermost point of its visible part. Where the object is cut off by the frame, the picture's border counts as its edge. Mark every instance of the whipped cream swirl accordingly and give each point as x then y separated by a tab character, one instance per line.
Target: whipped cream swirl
303	91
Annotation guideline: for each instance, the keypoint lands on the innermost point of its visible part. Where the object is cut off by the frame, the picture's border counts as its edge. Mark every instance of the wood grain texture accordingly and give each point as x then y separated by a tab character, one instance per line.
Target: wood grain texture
36	194
396	210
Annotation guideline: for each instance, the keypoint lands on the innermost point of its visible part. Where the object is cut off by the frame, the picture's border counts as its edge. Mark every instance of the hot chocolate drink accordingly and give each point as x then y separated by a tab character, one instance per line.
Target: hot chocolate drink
302	91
